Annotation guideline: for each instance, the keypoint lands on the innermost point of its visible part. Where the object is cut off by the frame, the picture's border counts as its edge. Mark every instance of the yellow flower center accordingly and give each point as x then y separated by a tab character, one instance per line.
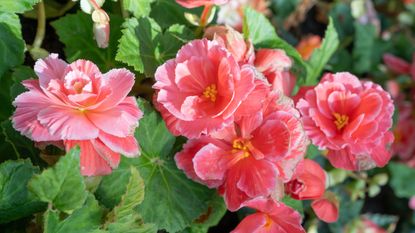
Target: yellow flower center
341	120
268	223
211	92
240	144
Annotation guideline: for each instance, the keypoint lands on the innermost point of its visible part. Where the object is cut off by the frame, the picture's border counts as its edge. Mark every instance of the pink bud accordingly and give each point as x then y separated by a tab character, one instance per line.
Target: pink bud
393	88
326	208
101	27
396	64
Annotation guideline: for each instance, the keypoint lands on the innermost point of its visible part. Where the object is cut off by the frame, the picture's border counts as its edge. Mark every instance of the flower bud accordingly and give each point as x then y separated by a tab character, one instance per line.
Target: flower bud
101	27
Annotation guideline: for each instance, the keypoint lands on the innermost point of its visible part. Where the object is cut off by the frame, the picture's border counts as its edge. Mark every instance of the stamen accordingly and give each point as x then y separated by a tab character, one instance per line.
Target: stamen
211	92
341	120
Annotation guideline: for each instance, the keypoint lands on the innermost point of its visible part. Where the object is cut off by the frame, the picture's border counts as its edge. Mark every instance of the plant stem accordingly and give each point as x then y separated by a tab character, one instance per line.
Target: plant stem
67	7
203	19
124	13
41	25
95	4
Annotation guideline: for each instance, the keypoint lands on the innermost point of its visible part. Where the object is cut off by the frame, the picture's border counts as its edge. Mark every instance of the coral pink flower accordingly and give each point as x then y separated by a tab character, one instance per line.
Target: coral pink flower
351	119
307	45
76	103
275	65
272	217
232	13
198	3
404	133
309	181
200	90
247	159
234	42
326	208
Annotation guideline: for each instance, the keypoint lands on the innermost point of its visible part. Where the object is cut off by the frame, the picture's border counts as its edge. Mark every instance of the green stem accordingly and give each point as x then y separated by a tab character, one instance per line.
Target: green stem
67	7
203	20
124	13
41	25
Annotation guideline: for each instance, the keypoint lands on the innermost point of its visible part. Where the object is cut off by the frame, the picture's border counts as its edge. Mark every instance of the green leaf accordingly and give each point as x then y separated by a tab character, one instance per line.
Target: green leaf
18	6
19	74
210	217
62	185
400	179
262	34
75	31
168	12
132	197
139	8
11	43
364	42
144	46
83	220
15	199
322	55
130	224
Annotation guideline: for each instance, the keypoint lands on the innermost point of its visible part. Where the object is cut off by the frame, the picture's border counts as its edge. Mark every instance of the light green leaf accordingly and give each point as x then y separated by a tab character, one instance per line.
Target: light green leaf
75	31
132	197
139	8
17	6
83	220
262	34
15	200
11	43
62	185
322	55
401	179
131	224
144	46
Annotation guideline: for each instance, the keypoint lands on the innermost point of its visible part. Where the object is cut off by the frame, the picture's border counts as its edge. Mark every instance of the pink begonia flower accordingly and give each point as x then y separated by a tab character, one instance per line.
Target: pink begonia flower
309	181
404	133
399	65
198	3
275	65
351	119
326	208
393	88
232	13
101	27
247	159
234	42
412	203
272	217
79	105
199	91
368	226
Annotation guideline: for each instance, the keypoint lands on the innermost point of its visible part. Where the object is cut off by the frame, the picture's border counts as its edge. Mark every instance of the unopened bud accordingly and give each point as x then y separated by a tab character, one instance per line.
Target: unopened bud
101	27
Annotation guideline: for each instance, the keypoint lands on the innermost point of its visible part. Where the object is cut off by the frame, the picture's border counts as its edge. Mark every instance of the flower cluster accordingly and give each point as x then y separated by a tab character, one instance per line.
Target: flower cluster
78	105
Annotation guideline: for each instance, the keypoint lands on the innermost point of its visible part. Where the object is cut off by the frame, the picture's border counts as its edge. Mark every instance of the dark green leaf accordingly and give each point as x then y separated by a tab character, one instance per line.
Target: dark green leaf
363	47
75	31
15	199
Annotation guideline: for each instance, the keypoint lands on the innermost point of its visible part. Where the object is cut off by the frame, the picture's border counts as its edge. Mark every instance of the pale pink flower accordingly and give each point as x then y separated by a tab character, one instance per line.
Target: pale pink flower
351	119
79	105
274	64
232	13
249	158
198	3
199	91
101	27
308	182
272	217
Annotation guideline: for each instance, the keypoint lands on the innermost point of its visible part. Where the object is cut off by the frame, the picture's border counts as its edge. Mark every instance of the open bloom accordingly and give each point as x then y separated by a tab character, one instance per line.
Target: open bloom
309	181
79	105
247	159
272	217
198	3
200	90
351	119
